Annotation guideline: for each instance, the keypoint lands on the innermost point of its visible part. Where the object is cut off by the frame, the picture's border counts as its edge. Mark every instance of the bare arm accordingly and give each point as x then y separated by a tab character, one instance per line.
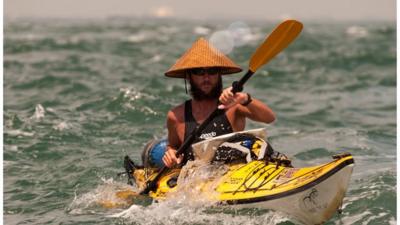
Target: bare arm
256	110
173	139
170	158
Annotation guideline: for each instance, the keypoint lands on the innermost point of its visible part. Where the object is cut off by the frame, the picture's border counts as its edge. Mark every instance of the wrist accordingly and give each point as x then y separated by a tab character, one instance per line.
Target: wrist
248	100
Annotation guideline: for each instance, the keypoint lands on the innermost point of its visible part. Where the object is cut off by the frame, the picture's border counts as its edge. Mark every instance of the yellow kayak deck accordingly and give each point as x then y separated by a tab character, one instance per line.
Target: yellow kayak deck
255	181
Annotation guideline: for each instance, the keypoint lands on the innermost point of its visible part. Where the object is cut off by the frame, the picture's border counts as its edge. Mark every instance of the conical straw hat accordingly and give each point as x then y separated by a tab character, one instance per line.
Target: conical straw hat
202	54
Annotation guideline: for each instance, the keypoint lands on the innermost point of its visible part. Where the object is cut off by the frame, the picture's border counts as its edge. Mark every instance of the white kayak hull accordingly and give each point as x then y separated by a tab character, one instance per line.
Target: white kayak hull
314	203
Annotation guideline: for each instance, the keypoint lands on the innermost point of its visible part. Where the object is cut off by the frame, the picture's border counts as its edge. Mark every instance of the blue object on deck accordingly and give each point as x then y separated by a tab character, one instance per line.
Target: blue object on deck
157	152
248	143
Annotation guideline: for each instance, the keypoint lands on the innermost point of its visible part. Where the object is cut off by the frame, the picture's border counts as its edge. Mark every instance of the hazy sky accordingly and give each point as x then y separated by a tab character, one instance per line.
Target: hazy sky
204	9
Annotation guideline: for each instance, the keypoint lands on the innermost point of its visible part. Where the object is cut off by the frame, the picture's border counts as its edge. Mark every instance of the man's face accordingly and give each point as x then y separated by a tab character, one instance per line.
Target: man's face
205	84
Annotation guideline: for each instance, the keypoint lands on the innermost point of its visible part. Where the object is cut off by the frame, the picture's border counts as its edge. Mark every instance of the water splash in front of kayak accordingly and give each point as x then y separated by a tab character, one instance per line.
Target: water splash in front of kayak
194	202
102	197
191	191
171	212
197	183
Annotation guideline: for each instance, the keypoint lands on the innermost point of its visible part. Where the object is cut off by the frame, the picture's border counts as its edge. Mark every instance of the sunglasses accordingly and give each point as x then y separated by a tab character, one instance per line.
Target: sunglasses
202	71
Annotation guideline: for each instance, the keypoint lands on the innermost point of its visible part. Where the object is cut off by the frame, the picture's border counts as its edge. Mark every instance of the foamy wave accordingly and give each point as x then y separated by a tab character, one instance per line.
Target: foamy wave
62	126
12	148
16	133
170	213
139	37
333	140
7	163
156	58
355	218
39	112
357	31
201	30
370	191
131	94
366	217
143	36
104	195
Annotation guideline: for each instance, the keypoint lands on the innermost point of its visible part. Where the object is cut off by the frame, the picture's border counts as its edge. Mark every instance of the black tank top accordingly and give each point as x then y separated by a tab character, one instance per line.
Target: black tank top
218	126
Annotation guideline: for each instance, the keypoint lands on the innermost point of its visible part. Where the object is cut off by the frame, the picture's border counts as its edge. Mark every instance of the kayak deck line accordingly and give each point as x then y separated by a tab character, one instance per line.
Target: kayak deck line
286	182
320	179
250	175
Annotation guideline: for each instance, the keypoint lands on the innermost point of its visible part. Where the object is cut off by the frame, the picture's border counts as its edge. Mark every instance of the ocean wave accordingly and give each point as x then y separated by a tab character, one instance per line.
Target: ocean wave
372	202
172	213
357	31
201	30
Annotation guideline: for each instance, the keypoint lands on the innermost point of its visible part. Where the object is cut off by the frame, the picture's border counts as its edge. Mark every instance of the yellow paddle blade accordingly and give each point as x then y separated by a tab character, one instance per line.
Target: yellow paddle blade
123	199
126	194
108	204
278	40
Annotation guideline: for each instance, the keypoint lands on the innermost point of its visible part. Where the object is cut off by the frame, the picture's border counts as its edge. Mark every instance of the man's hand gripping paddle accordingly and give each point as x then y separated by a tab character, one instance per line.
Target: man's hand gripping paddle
278	40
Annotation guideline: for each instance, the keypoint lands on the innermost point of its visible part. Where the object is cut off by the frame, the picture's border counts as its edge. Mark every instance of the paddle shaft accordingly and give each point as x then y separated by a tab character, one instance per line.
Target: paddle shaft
237	86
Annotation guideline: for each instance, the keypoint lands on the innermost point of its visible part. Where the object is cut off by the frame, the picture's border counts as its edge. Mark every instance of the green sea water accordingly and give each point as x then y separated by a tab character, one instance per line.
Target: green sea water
79	95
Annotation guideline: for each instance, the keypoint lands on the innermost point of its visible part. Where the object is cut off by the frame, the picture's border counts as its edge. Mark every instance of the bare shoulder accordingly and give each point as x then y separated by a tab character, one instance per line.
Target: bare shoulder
176	125
176	114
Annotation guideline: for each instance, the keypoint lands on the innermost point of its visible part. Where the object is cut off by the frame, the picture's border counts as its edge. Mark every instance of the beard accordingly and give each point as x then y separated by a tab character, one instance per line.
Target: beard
199	94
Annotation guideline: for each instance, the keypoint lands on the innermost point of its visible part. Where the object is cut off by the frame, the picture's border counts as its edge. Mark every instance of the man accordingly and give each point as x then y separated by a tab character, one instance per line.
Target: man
202	66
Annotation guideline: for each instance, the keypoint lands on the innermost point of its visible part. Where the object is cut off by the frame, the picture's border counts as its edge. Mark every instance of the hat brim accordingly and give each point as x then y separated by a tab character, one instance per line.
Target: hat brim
182	72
